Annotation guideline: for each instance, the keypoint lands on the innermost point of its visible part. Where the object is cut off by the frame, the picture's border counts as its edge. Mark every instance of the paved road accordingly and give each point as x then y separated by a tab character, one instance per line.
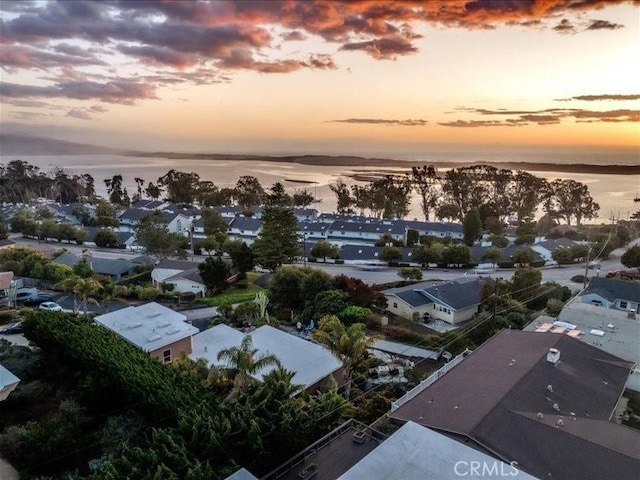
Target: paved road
561	275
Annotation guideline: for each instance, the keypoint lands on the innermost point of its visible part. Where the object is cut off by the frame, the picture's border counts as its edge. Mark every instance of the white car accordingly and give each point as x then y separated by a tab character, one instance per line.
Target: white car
50	307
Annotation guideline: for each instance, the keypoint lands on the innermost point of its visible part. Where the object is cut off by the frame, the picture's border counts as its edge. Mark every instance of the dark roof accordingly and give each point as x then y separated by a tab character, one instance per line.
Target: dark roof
144	260
460	293
177	264
246	223
305	212
554	243
137	214
372	227
123	236
148	204
102	266
503	397
432	226
613	289
186	211
192	274
413	297
312	227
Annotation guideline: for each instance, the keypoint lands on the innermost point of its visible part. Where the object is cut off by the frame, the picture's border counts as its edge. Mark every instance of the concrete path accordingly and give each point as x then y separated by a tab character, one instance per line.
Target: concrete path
404	350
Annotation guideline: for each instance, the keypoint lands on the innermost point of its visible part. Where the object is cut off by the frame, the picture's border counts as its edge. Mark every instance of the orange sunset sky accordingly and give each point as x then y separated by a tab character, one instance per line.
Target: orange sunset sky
316	76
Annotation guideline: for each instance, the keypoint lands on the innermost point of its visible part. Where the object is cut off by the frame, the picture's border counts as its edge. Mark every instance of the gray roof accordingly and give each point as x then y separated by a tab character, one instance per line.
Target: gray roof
177	264
432	226
620	334
417	453
148	204
366	227
413	297
305	212
137	214
312	226
459	294
552	419
192	274
554	243
246	223
613	289
102	266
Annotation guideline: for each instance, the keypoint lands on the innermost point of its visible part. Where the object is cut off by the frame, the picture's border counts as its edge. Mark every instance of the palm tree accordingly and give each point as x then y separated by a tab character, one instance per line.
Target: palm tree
84	288
348	344
69	285
111	291
241	364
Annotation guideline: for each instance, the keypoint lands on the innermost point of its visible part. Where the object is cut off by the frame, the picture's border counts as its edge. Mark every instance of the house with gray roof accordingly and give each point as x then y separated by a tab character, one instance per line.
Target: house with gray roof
546	248
176	222
114	268
543	400
305	214
245	228
363	233
435	229
312	230
148	204
454	302
613	293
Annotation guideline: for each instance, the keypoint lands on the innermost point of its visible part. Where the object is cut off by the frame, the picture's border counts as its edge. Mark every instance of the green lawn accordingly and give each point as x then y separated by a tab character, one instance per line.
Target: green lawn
235	294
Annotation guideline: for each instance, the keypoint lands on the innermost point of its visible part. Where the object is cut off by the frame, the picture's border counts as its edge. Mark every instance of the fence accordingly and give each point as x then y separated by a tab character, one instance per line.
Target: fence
428	381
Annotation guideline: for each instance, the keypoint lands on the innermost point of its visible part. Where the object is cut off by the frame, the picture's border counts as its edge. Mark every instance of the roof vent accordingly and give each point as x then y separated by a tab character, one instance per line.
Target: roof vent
153	338
135	325
560	422
556	407
550	387
539	415
553	355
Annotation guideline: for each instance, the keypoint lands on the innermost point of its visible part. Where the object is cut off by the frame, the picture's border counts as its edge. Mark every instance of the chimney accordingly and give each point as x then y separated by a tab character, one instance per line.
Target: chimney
553	355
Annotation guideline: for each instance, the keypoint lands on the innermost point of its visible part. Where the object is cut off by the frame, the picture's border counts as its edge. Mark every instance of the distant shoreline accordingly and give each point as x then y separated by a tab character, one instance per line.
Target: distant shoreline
353	161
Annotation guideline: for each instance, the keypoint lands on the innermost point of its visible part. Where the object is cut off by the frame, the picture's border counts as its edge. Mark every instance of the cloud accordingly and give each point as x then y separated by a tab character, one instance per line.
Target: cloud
603	25
592	98
78	113
622	115
98	109
480	123
565	26
383	121
386	48
13	56
118	91
293	36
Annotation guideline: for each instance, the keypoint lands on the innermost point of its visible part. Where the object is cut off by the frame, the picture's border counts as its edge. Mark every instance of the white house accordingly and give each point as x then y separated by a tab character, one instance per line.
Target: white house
546	248
363	233
312	363
453	302
435	229
168	268
245	228
187	281
176	222
153	328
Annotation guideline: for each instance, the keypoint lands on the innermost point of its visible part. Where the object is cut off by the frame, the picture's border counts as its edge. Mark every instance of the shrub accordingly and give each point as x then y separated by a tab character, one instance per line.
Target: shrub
554	306
146	293
506	265
354	314
402	334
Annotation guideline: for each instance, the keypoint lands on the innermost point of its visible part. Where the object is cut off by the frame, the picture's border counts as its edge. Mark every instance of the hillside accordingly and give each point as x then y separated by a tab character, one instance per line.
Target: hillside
16	144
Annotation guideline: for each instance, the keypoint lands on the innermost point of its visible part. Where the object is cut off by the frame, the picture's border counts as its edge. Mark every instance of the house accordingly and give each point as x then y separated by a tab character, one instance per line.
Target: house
363	233
435	229
613	293
614	331
169	268
69	213
124	238
150	205
305	214
542	400
245	228
312	230
198	227
176	222
8	382
545	248
238	210
153	328
187	281
311	362
114	268
453	302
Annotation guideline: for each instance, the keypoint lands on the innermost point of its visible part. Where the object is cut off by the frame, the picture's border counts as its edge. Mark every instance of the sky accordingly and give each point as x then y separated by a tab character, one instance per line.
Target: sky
316	76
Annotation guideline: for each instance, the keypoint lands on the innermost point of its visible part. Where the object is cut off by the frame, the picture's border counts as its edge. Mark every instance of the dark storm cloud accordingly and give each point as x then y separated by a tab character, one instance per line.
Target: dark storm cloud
603	25
387	48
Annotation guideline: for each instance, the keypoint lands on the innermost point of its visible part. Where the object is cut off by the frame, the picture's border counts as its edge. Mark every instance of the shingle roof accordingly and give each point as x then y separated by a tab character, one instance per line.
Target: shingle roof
432	226
552	244
460	293
613	289
246	223
102	266
373	227
137	214
413	297
552	419
177	264
192	274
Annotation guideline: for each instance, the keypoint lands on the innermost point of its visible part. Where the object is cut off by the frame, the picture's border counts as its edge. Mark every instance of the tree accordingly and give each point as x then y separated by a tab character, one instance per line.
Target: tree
278	197
277	242
563	255
499	241
105	215
324	249
153	191
242	257
327	302
248	191
214	273
181	187
387	240
343	196
472	226
493	254
82	289
241	364
214	225
413	274
391	254
424	181
568	199
348	344
448	211
426	255
456	255
152	233
302	198
525	192
631	258
106	238
525	283
110	291
523	257
117	194
4	233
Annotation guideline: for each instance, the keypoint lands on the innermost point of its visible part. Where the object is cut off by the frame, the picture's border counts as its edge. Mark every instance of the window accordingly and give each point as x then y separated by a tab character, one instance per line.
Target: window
166	356
623	304
395	305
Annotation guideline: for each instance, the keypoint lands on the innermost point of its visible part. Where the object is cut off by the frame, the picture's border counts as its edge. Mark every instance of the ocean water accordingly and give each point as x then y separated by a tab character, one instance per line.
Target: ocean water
614	193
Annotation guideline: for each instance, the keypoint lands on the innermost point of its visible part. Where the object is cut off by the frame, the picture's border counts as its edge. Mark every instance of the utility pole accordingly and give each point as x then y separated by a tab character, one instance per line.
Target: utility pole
586	269
495	299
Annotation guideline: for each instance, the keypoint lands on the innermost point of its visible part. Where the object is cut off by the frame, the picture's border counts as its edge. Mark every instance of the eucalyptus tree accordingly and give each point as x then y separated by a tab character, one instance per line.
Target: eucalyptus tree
424	181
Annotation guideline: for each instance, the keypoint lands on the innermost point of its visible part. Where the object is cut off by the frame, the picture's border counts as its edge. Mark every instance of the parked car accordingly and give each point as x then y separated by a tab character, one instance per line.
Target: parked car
22	295
37	300
12	329
50	307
